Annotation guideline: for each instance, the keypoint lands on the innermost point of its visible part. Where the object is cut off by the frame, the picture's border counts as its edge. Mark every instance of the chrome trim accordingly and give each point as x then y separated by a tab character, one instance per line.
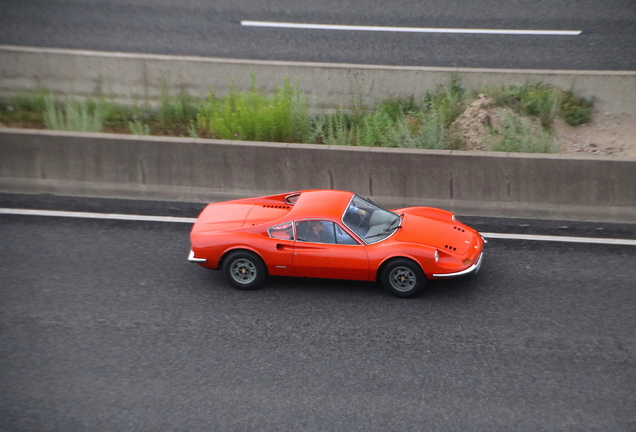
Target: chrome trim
191	258
473	268
287	198
293	225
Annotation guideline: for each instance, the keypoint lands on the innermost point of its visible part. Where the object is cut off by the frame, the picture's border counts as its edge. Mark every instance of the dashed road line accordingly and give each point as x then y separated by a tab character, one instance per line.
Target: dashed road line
566	239
88	215
271	24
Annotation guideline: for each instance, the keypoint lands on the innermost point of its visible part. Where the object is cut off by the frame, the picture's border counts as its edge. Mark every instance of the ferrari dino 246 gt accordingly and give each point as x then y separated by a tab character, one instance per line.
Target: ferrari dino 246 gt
336	235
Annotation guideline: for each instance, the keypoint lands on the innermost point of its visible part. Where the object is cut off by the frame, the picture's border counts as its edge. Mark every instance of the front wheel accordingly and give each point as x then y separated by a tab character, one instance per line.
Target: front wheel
244	270
403	278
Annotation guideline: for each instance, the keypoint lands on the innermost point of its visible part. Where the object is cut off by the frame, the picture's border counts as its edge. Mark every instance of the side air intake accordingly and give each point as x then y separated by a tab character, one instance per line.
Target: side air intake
284	207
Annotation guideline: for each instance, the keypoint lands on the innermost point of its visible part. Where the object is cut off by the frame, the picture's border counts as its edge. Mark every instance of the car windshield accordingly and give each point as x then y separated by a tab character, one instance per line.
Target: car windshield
370	222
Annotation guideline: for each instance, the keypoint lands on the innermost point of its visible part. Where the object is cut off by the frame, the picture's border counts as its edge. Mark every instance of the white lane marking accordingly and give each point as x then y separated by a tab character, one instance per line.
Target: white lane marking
271	24
130	217
113	216
566	239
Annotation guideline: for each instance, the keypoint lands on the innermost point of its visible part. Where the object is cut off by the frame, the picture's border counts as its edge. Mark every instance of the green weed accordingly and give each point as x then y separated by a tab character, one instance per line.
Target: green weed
543	102
252	116
192	131
576	110
336	128
433	132
179	108
397	107
536	100
449	102
73	115
139	128
519	135
27	107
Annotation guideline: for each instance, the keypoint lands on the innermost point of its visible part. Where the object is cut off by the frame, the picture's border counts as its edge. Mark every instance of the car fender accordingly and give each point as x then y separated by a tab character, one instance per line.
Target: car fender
421	254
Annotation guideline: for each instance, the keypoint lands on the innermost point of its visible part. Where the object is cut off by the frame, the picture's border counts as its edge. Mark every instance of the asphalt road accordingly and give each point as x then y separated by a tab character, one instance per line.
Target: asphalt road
104	325
213	28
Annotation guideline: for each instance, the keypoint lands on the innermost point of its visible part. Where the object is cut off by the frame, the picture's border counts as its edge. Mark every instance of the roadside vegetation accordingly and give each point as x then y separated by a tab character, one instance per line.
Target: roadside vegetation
286	116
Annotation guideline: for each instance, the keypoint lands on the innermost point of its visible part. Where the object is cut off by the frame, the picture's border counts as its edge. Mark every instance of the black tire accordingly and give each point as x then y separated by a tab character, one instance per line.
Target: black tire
244	270
403	278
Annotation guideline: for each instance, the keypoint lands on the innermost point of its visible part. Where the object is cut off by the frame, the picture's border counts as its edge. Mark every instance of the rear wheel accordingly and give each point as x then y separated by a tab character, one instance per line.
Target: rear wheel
403	278
244	270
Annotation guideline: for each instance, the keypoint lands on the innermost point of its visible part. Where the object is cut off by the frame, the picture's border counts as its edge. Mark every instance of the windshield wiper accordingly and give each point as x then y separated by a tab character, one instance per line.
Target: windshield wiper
386	231
378	234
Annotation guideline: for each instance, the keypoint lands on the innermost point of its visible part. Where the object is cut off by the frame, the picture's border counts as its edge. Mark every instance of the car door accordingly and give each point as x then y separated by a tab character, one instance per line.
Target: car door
279	251
324	249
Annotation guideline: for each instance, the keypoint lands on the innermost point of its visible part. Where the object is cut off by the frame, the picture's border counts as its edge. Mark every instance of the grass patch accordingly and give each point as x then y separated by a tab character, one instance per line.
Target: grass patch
544	102
284	116
447	102
73	115
518	134
253	116
379	129
576	110
25	107
395	122
176	109
138	128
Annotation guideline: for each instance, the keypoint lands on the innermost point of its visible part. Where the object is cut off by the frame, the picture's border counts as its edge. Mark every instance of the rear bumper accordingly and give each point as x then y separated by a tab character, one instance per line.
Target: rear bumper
472	269
191	258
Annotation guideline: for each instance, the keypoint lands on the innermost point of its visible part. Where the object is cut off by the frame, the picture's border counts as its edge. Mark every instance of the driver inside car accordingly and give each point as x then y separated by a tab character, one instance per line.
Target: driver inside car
353	211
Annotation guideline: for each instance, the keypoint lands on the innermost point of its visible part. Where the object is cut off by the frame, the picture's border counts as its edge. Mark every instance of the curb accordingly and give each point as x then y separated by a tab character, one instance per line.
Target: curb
581	188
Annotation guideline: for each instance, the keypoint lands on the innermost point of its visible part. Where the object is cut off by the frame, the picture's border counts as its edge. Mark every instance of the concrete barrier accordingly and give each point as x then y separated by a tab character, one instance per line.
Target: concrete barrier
135	78
486	184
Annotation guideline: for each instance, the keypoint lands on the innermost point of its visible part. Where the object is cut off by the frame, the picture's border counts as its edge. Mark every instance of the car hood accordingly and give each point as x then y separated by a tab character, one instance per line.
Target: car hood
443	235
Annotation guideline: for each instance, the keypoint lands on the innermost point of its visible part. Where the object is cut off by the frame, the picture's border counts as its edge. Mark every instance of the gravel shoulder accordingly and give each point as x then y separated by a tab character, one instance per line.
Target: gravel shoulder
607	134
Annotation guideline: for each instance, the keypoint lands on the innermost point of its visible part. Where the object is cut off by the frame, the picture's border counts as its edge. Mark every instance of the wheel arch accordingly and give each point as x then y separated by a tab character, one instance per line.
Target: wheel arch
241	248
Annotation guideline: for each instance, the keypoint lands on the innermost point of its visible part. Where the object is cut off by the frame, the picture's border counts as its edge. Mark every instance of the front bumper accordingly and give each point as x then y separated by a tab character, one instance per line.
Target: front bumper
191	258
472	269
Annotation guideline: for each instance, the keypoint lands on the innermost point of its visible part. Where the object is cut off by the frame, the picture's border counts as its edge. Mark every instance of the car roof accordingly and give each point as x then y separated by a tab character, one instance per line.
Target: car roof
321	204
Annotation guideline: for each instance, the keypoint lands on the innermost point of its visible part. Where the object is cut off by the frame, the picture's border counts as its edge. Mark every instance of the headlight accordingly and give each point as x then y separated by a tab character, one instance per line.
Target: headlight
454	218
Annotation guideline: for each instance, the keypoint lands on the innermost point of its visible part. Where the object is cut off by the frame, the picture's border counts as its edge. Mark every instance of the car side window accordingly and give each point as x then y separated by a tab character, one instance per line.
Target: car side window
343	237
322	231
284	231
314	231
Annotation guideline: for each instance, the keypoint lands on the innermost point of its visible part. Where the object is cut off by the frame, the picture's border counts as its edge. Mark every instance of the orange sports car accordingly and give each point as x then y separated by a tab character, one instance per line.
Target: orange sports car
333	234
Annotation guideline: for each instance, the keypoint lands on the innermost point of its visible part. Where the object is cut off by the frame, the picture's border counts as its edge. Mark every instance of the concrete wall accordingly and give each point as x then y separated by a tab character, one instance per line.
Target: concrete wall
137	77
544	186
